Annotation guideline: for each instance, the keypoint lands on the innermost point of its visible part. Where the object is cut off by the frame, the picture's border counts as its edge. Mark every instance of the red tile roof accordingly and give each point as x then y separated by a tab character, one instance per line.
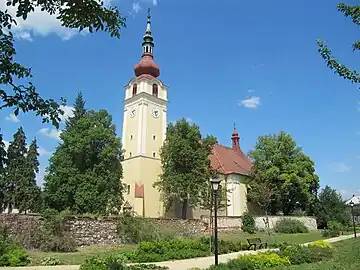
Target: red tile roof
227	160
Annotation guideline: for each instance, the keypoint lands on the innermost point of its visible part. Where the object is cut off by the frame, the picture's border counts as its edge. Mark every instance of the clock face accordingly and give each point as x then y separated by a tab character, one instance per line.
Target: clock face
132	112
155	112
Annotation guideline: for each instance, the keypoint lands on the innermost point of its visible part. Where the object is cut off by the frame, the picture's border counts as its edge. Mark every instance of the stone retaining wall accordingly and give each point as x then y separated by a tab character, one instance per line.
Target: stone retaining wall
103	230
232	223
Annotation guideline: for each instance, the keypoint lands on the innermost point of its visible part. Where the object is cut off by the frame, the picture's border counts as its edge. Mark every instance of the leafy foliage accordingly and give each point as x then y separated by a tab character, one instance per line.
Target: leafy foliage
52	235
288	225
3	161
266	260
349	74
11	253
331	207
85	172
186	166
134	229
50	261
248	223
91	15
115	262
298	254
283	177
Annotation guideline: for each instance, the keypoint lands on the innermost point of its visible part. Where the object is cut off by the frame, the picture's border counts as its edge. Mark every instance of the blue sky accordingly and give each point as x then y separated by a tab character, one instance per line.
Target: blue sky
250	62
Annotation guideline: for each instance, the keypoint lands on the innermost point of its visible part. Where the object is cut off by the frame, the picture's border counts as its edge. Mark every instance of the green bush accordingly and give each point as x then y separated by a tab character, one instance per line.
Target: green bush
287	225
177	249
50	261
11	253
266	260
134	230
52	235
114	262
234	265
329	233
298	254
248	223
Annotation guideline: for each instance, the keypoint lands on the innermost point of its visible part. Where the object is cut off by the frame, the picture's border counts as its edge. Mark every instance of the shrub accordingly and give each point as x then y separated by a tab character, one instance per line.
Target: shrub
114	262
136	229
329	233
11	253
52	235
288	225
266	260
248	223
51	261
320	244
234	265
298	254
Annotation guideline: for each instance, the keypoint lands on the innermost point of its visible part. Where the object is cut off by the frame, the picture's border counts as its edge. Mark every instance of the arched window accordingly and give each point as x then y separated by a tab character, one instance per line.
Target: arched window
134	89
155	90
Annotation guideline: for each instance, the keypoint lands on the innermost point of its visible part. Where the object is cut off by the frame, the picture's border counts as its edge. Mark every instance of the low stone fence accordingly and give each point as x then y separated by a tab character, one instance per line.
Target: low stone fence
233	223
103	230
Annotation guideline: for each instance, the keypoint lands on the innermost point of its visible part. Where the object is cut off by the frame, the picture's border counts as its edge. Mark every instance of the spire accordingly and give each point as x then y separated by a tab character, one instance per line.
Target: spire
147	64
235	139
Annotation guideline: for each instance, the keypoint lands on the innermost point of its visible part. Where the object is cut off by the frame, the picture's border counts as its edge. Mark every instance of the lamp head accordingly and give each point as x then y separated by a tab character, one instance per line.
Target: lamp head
215	183
351	203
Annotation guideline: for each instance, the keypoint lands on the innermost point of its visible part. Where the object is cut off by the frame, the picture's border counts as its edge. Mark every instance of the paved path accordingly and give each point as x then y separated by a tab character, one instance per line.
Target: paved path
203	262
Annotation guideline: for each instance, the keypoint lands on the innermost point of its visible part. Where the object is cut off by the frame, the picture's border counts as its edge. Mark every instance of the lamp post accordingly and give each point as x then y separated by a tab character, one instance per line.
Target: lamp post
215	183
353	217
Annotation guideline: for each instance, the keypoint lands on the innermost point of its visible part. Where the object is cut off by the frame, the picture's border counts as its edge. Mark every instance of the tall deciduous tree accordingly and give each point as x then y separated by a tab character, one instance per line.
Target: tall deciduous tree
331	207
90	14
2	174
85	172
287	172
186	167
16	170
347	73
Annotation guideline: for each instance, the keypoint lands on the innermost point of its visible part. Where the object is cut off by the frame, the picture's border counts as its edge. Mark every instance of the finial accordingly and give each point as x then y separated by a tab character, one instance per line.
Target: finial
234	126
149	16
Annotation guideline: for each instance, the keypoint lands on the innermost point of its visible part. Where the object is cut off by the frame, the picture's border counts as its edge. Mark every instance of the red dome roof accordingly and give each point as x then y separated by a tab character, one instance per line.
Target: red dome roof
147	65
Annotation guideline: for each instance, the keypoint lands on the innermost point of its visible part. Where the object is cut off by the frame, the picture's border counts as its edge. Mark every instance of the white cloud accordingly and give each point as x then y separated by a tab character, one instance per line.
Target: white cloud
155	2
40	23
68	112
251	102
189	120
40	176
136	7
43	152
52	133
251	90
13	118
340	167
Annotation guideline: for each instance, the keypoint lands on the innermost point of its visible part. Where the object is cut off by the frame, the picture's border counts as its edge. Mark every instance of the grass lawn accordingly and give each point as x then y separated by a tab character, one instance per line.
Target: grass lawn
79	257
346	257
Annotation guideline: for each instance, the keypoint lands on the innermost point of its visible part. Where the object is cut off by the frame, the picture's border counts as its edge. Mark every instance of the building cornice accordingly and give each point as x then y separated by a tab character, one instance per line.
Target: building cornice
143	96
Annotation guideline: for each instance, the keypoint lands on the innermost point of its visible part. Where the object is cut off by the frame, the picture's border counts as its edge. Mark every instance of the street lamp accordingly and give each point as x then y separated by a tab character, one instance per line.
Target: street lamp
215	183
353	217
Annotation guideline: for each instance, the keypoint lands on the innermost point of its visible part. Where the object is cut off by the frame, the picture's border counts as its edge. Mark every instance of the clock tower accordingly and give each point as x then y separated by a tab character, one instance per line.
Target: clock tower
144	128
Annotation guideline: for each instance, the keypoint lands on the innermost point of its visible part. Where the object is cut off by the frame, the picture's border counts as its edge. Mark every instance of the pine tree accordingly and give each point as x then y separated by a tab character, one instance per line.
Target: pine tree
31	193
2	174
15	170
79	110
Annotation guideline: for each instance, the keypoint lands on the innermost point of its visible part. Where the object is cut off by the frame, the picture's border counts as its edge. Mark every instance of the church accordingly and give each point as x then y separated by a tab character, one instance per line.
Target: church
143	134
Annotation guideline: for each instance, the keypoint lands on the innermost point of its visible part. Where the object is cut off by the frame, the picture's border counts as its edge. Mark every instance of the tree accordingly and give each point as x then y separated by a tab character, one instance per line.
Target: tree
3	161
349	74
90	14
15	170
185	163
285	171
331	207
79	110
31	193
85	172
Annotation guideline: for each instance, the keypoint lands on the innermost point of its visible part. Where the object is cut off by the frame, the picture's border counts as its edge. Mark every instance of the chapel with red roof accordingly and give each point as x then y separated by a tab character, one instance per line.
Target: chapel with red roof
143	134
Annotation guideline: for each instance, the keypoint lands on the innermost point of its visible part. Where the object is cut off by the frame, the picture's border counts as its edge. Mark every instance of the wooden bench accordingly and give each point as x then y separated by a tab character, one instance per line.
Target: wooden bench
256	243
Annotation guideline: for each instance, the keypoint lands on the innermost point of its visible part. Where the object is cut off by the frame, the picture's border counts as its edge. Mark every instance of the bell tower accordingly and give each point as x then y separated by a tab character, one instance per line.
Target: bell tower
143	134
